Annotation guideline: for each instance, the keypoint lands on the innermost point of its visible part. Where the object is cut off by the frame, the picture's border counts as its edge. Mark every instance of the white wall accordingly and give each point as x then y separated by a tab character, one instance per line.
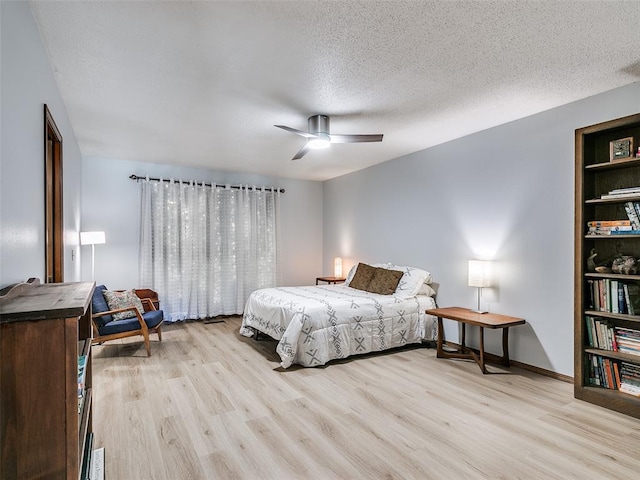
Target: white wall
27	83
111	202
505	194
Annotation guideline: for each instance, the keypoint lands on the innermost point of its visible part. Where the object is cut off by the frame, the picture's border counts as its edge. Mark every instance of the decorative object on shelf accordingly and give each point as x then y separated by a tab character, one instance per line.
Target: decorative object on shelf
624	264
480	277
622	148
337	267
600	266
93	239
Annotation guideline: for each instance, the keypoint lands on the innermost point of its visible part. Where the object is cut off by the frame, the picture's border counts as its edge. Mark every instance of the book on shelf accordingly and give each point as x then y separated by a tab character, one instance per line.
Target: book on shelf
633	289
86	459
625	232
97	464
609	223
596	232
80	404
616	372
82	364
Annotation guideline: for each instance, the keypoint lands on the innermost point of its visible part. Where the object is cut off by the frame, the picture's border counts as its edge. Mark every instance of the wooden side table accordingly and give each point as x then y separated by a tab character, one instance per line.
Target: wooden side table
330	280
482	320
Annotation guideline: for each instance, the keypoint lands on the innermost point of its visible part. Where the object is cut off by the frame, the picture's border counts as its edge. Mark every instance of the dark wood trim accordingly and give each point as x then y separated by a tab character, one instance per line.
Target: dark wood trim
523	366
54	223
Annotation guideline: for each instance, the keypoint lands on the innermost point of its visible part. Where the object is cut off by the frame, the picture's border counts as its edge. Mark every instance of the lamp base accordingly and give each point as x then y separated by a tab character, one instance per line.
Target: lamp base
477	310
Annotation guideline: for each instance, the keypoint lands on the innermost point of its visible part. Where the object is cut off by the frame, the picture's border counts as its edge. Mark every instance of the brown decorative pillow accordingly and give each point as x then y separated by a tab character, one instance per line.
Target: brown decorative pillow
362	278
116	300
384	282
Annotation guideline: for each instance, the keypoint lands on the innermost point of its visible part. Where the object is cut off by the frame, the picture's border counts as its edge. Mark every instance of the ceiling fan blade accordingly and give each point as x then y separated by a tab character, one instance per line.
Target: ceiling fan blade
298	132
355	138
301	153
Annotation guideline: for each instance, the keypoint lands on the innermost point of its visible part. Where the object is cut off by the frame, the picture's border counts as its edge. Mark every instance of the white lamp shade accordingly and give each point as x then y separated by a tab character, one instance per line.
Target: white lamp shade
337	267
92	238
480	273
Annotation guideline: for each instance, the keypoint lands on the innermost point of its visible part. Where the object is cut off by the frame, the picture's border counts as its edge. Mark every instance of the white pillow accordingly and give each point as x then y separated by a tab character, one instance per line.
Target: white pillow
412	280
350	275
426	290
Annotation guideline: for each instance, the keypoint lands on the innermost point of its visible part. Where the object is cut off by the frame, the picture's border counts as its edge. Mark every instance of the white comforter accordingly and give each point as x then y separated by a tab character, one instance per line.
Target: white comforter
320	323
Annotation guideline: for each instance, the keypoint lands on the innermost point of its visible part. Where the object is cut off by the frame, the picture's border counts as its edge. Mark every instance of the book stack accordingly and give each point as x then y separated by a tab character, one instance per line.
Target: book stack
622	193
610	227
627	340
609	295
630	379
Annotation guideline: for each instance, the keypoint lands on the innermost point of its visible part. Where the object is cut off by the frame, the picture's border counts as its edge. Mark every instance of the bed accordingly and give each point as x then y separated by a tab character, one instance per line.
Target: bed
316	324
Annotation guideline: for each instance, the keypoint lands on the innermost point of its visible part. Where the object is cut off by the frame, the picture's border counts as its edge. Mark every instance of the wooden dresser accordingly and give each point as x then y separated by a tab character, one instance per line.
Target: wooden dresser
45	418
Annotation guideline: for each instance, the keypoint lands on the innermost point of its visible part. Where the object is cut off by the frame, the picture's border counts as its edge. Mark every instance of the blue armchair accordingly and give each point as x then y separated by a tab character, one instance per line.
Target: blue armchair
105	328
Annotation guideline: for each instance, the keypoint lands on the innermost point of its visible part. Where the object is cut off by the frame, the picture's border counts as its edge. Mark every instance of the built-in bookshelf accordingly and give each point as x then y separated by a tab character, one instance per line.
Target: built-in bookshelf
607	265
46	415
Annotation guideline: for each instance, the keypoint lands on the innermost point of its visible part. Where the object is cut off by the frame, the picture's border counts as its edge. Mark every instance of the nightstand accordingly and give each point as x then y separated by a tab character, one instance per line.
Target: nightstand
482	320
330	280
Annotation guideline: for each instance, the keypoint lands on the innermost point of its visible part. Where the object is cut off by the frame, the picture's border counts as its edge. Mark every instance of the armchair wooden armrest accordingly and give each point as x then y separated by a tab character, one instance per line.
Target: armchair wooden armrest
148	304
111	312
149	298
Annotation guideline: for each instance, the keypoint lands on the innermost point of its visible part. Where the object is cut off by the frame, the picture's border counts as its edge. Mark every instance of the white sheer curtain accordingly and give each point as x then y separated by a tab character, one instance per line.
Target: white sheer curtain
204	249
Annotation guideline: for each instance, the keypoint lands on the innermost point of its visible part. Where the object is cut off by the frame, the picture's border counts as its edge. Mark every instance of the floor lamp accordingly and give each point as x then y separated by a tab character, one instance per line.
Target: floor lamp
93	239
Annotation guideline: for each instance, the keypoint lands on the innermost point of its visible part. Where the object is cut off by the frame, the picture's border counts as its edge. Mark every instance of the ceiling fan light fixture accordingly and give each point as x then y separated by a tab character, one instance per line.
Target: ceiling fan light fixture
321	141
318	135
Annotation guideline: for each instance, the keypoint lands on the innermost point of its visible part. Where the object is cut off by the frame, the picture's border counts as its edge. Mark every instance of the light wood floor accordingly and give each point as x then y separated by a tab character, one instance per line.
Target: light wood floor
209	404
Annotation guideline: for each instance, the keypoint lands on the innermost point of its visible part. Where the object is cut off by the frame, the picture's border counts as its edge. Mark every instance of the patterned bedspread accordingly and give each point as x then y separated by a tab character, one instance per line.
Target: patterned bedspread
320	323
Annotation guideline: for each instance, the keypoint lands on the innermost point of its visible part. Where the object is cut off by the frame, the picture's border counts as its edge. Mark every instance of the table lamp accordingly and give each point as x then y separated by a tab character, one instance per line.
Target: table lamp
479	277
337	267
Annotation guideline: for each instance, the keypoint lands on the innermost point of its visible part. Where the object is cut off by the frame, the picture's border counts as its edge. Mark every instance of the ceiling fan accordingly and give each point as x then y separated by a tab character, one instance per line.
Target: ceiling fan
319	135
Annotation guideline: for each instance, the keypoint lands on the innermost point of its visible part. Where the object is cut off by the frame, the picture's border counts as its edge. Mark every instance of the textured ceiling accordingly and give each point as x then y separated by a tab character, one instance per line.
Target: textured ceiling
202	83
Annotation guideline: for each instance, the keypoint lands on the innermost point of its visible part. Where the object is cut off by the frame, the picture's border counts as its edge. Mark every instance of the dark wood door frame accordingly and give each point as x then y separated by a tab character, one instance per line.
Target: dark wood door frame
54	227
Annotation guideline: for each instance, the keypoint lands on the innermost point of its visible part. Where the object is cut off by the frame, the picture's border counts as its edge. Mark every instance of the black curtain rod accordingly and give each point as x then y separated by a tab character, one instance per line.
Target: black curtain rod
237	187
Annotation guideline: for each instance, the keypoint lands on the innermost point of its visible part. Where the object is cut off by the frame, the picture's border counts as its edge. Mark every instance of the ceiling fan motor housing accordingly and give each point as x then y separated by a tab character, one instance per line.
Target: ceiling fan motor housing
319	124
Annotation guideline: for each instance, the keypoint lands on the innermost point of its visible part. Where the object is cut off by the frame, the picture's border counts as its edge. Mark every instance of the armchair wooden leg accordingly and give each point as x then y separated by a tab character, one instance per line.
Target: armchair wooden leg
147	343
159	332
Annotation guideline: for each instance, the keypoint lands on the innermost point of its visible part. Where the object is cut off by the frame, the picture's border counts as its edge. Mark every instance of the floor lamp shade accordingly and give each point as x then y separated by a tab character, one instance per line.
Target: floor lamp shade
93	239
480	277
